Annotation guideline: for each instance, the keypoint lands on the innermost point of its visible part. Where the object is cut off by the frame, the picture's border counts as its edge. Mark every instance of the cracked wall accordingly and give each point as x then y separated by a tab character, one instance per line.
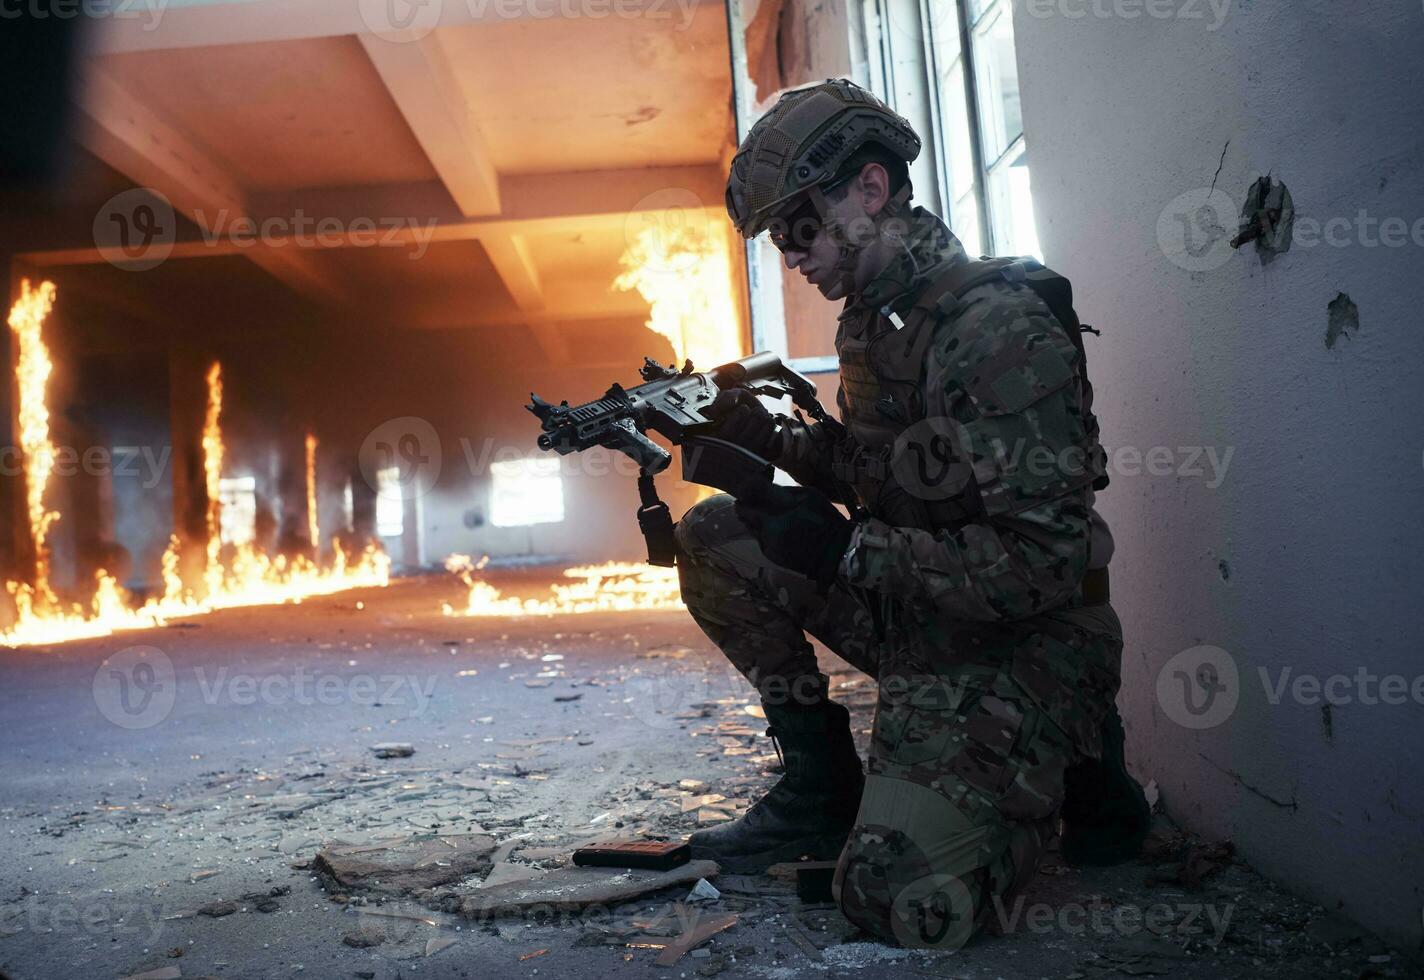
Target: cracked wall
1318	518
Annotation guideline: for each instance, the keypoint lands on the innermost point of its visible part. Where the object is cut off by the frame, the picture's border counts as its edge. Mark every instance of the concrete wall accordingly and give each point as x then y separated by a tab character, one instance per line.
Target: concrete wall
1308	555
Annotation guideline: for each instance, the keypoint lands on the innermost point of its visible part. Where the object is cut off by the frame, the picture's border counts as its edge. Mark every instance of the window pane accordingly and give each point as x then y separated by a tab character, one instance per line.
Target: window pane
959	152
964	222
390	504
526	491
237	510
1011	205
997	77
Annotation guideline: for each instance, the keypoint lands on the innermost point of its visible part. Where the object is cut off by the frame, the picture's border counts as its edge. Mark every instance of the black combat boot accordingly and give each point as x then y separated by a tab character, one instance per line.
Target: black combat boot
1105	814
810	812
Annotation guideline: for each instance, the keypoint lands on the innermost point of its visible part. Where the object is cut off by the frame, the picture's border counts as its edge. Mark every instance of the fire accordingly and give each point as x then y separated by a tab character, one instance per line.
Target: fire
32	375
685	274
610	587
248	576
212	479
313	525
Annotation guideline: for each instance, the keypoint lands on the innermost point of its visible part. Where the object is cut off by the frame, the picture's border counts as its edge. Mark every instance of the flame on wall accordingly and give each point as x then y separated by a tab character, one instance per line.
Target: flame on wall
246	577
610	587
684	271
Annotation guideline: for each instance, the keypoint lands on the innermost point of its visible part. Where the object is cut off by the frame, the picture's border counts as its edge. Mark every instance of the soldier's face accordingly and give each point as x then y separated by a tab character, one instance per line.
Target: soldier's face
813	243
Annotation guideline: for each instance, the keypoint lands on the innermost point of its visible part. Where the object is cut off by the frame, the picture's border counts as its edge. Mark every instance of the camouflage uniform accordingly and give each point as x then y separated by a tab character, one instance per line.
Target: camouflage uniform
971	451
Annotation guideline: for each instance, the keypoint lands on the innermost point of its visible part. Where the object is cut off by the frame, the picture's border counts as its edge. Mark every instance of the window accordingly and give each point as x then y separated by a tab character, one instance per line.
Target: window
976	82
526	491
390	503
966	48
237	514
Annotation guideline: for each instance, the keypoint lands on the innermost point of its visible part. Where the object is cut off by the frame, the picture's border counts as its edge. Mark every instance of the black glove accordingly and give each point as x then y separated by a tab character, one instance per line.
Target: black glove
746	423
798	528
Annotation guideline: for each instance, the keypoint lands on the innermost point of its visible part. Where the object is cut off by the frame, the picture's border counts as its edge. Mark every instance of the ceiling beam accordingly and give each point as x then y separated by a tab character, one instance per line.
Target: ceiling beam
128	136
622	200
418	76
509	254
151	25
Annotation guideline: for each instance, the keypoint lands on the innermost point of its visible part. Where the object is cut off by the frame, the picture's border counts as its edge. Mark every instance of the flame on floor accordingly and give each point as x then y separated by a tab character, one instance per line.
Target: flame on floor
236	576
610	587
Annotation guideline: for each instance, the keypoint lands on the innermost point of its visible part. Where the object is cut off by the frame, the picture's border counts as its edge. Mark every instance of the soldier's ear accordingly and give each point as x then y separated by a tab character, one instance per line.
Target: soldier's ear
873	185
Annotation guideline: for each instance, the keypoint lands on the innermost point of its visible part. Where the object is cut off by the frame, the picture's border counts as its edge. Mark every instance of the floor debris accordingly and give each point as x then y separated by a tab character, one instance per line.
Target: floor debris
509	784
393	750
569	889
414	863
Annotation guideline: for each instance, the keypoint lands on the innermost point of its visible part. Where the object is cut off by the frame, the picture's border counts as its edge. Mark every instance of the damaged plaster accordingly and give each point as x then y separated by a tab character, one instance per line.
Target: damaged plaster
1267	218
1344	320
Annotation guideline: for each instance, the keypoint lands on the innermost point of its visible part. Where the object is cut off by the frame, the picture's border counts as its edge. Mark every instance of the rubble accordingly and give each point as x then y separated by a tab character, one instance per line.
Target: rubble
393	750
398	867
364	938
574	888
479	839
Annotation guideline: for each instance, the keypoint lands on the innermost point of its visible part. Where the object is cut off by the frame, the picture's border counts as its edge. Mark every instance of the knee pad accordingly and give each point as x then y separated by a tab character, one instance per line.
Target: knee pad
704	524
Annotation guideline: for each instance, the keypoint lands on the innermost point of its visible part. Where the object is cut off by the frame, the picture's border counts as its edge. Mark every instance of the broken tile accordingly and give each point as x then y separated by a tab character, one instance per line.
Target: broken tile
506	871
699	929
703	891
570	889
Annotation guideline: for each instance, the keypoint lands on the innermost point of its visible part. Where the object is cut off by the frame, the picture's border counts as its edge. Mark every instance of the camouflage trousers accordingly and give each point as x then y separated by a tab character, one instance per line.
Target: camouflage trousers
975	724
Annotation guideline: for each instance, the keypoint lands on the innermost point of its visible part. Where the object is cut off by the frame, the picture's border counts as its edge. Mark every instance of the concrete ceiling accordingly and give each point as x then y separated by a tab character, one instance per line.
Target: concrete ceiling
282	115
520	149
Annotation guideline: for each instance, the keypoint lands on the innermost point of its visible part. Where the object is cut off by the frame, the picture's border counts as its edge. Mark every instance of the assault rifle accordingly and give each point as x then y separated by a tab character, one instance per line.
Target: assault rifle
674	403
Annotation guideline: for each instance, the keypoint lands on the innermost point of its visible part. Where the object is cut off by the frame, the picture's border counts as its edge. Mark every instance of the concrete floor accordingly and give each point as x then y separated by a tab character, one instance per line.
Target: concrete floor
129	803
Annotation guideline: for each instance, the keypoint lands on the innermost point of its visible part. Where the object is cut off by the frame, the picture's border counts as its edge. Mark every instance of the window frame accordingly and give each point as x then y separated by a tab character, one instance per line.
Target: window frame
879	46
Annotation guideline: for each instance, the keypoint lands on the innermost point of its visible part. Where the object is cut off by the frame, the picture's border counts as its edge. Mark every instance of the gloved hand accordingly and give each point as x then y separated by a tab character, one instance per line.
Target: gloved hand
798	528
746	423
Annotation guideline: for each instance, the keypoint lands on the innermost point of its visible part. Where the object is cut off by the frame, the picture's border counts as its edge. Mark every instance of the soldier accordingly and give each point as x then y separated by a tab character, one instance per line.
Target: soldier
971	579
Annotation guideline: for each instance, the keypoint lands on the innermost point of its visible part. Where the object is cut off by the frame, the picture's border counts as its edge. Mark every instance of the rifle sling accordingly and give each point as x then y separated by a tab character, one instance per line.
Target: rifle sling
656	523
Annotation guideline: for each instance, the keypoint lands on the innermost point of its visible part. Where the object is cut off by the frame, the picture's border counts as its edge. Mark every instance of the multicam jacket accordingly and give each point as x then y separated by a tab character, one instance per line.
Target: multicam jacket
968	440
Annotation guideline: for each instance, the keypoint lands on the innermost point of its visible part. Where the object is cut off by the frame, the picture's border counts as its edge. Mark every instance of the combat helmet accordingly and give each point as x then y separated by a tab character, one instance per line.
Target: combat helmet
801	143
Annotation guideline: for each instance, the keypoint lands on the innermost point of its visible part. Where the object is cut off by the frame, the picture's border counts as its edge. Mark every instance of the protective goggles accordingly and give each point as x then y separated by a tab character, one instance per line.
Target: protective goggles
797	228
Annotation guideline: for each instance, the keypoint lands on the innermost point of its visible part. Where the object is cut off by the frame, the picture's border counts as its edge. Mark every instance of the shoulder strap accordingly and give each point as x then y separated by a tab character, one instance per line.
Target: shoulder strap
1055	291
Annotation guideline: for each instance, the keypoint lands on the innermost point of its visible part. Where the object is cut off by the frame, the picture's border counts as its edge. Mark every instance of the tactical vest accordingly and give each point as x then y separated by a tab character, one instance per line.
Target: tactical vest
882	394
